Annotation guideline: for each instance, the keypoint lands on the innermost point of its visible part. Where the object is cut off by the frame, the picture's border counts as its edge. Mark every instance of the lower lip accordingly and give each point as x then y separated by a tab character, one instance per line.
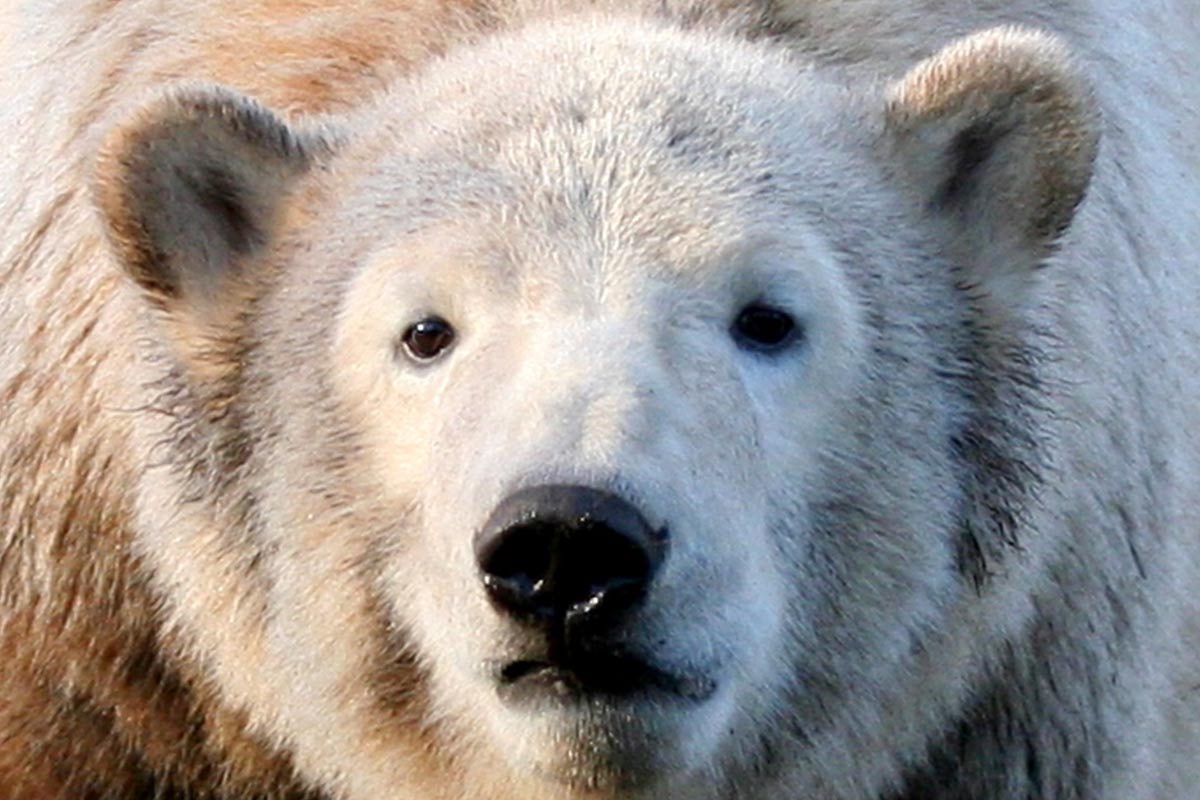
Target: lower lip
617	679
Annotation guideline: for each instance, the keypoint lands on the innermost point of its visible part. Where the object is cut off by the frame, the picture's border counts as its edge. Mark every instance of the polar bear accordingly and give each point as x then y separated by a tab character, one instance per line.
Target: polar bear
600	400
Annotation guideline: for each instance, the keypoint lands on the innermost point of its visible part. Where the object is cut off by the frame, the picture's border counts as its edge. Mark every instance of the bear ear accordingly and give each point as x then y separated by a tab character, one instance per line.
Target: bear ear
997	134
191	186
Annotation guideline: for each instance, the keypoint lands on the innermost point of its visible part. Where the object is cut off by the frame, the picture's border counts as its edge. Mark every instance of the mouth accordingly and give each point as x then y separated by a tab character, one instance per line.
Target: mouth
605	676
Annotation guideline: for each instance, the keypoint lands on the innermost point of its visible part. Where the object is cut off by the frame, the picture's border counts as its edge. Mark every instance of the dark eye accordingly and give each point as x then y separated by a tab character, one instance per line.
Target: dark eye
428	339
760	327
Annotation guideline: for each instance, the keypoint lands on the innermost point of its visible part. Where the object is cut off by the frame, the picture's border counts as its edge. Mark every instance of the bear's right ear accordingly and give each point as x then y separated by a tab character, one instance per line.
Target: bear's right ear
191	187
996	136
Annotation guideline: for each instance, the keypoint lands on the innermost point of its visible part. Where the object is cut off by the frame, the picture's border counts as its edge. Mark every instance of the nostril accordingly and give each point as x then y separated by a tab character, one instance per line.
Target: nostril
551	552
599	566
516	565
521	557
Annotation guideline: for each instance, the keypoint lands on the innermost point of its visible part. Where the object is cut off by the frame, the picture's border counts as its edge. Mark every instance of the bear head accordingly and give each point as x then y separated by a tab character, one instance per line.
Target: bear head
608	410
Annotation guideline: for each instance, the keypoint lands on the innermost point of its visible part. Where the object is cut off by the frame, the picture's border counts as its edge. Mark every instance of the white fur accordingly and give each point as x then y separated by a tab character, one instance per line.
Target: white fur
590	198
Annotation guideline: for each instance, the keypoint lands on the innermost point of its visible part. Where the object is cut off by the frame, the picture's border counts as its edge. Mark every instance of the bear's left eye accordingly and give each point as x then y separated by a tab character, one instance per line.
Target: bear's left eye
764	328
428	339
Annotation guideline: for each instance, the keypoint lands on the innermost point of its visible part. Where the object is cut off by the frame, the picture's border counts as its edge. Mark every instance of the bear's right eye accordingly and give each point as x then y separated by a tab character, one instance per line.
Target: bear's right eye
764	328
427	339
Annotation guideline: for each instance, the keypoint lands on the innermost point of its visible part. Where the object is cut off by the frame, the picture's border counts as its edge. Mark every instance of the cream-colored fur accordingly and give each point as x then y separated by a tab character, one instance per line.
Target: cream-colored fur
944	545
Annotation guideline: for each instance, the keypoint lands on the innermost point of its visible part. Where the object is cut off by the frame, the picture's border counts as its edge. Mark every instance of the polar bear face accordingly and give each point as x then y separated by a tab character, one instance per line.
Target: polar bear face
620	313
607	404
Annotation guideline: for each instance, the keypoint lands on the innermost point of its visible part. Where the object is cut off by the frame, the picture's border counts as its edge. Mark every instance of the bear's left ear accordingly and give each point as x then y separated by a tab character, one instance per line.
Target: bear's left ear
996	134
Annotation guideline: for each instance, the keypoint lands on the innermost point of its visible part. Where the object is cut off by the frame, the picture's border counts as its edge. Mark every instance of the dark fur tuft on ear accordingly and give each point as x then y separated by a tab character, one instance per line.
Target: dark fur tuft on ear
998	134
192	185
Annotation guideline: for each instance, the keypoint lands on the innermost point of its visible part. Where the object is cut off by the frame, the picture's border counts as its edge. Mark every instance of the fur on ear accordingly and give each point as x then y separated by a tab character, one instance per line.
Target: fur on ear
190	188
997	134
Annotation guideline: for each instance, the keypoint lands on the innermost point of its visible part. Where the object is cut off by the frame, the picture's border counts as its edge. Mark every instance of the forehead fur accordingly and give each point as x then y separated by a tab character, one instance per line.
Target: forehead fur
622	134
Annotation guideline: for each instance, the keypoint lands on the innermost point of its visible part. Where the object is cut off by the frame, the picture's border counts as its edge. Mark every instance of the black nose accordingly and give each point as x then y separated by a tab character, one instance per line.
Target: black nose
555	554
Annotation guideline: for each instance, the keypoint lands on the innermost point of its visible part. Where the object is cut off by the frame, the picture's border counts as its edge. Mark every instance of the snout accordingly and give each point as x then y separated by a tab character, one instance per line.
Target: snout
570	565
568	557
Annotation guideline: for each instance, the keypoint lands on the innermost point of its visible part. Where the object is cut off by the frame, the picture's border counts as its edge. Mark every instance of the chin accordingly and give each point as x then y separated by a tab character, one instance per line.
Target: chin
634	742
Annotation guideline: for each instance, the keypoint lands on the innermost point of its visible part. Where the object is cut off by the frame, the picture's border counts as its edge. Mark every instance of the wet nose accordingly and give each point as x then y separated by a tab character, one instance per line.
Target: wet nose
549	555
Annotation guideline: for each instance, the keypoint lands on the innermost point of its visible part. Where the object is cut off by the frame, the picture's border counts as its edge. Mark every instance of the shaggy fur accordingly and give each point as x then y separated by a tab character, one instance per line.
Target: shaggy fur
942	547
